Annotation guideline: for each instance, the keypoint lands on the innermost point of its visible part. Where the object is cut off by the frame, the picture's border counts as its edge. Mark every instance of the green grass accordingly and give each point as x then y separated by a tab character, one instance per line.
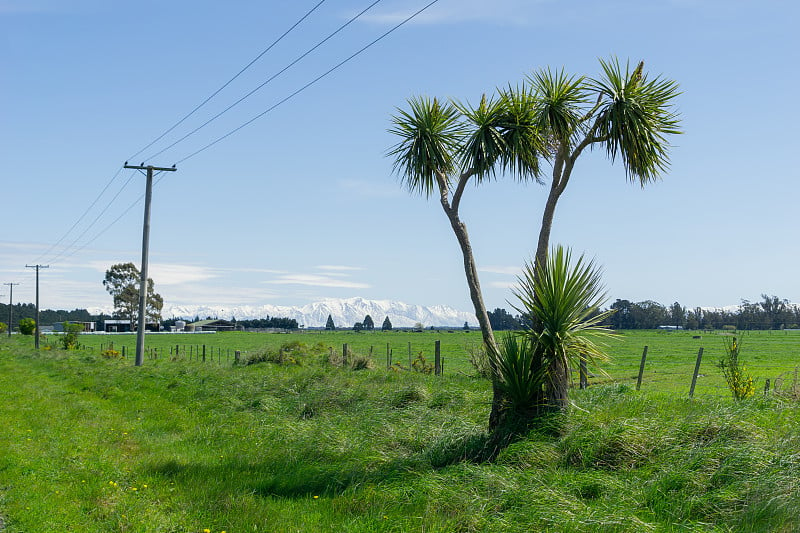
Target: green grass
669	366
91	444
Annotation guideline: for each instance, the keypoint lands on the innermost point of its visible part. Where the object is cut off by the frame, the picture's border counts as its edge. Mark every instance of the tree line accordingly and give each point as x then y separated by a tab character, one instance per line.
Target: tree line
771	312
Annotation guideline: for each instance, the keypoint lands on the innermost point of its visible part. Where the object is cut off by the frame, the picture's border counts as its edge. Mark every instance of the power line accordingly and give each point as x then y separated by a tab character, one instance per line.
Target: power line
307	85
281	71
215	93
97	218
171	128
86	212
111	224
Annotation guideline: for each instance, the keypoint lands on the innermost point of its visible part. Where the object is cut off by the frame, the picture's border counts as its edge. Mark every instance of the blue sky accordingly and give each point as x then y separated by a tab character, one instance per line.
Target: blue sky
302	204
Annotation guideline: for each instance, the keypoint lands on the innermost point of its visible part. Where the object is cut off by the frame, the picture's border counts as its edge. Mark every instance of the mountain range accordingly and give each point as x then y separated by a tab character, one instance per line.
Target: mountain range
345	313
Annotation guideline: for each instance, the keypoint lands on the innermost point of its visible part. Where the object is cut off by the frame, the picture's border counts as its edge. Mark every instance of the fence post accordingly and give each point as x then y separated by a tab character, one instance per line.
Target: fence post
437	358
123	351
583	377
696	371
641	369
237	355
410	361
766	386
204	353
344	354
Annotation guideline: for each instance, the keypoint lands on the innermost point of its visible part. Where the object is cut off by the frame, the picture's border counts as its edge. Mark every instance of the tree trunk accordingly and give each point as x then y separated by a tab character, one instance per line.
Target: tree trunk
471	272
547	224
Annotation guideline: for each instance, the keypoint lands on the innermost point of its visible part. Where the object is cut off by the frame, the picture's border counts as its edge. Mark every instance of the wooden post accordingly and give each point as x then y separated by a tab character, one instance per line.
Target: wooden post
437	358
177	350
696	371
123	351
344	354
766	386
584	379
391	355
237	355
204	353
641	369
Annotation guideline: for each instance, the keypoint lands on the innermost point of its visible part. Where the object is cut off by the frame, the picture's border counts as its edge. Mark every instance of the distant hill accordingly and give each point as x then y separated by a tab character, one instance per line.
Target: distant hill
345	313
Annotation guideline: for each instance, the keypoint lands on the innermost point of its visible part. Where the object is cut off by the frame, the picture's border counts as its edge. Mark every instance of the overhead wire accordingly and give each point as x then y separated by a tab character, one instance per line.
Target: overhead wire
96	219
268	80
63	253
224	85
83	215
309	84
166	132
108	226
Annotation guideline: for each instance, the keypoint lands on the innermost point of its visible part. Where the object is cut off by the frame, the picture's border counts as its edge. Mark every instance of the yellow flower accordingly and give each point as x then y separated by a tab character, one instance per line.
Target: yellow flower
206	530
316	497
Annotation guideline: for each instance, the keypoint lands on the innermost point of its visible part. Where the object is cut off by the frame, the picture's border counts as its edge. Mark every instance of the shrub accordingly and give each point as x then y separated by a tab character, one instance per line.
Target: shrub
27	326
110	352
739	381
3	327
420	364
69	340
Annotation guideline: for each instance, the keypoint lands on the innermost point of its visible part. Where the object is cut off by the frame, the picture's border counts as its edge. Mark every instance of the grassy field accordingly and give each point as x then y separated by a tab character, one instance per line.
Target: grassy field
669	367
97	445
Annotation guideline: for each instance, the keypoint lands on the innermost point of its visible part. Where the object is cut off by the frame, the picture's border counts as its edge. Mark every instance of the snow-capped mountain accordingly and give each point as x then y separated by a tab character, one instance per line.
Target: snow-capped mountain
345	313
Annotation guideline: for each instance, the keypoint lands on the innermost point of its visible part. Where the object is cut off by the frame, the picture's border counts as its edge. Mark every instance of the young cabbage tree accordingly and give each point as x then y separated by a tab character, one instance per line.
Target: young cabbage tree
565	296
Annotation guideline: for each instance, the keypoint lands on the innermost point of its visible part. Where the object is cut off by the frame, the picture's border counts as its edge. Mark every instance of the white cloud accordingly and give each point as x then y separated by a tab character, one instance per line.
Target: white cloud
502	284
338	267
317	281
172	274
505	270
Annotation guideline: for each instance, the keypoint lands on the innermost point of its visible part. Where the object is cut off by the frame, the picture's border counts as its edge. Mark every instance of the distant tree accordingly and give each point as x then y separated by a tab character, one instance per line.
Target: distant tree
677	315
418	326
466	326
27	326
503	320
387	324
369	325
622	317
358	326
329	325
122	283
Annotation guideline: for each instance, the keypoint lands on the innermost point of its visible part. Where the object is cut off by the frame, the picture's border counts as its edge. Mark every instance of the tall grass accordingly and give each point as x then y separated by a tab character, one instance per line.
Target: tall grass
96	445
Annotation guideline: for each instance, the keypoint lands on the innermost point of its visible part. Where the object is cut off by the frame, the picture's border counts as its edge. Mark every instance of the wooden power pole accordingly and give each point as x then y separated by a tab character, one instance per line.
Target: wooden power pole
36	333
10	307
145	251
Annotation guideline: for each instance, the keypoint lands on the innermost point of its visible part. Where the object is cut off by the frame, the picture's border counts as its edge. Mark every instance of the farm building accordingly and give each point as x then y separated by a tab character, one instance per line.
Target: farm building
124	326
88	327
211	325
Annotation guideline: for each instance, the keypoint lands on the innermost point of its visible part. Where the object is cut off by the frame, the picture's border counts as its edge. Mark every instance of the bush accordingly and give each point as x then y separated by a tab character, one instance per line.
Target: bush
27	326
69	340
3	327
739	381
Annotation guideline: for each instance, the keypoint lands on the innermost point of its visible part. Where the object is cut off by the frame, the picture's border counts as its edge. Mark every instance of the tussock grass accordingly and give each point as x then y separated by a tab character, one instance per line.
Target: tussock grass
97	445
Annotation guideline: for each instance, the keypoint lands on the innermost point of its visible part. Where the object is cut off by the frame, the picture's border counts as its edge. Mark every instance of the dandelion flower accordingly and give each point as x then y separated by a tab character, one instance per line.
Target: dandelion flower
316	497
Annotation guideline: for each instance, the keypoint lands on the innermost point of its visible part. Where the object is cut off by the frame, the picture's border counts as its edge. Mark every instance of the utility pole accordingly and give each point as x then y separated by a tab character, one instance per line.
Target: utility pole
145	251
36	333
10	306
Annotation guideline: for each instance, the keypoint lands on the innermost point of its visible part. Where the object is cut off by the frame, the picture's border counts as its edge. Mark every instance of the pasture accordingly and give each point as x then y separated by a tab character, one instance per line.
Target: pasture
97	445
669	365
